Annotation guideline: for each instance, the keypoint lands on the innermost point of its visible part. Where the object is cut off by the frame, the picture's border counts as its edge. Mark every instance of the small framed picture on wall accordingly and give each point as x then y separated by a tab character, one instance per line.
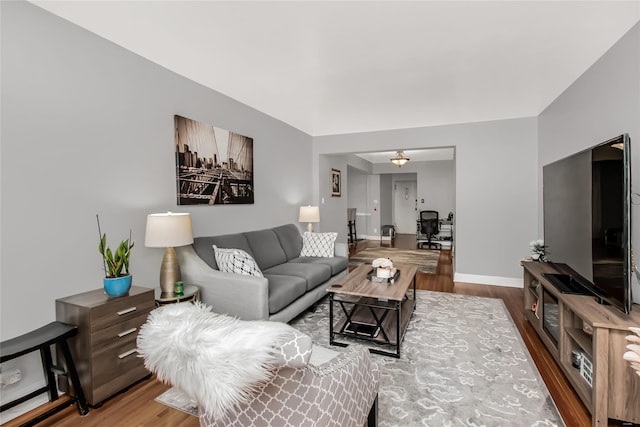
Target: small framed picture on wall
335	183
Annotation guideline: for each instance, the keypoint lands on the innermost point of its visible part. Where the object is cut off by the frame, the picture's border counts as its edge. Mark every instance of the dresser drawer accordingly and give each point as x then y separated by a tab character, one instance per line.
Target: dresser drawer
116	361
108	385
120	332
120	310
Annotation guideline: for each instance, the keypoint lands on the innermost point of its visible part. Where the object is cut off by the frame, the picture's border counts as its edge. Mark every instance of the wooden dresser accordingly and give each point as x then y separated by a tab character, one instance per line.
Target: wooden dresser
104	351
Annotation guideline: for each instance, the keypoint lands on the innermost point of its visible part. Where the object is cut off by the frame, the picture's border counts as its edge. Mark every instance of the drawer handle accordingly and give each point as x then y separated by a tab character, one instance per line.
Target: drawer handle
127	353
125	333
128	310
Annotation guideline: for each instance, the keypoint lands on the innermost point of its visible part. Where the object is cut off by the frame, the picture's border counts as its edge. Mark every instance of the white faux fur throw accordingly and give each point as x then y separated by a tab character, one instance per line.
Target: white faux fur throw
217	360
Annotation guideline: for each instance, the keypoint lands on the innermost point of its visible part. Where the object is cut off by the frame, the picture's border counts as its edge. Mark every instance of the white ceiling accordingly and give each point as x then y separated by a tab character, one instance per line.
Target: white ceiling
354	66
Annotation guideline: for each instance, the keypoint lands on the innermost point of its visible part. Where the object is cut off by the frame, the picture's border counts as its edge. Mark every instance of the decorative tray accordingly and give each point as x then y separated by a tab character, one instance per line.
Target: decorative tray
371	276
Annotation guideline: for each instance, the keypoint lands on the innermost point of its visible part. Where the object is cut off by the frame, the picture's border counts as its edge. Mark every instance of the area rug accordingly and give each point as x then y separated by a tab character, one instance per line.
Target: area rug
463	363
425	259
175	399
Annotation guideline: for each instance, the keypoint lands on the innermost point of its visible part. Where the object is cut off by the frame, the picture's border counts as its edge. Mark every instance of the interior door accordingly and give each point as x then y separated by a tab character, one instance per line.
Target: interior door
404	206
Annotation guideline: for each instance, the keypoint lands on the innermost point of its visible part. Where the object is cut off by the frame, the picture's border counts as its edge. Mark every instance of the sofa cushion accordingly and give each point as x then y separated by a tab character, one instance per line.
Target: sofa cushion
236	261
204	246
318	244
266	248
313	274
290	240
337	263
283	290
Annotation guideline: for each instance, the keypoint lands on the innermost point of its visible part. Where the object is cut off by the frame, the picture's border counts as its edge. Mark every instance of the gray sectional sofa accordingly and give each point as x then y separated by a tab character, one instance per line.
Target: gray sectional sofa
290	285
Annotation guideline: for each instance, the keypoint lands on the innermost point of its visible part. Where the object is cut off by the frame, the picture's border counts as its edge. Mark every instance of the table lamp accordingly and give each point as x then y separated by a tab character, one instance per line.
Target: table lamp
309	214
168	230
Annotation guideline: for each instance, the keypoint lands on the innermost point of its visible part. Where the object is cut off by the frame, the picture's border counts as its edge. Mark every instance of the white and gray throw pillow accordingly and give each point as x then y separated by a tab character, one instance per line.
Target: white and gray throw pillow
318	244
236	261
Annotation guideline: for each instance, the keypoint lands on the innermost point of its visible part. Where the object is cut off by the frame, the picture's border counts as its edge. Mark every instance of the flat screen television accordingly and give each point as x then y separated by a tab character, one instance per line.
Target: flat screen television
587	214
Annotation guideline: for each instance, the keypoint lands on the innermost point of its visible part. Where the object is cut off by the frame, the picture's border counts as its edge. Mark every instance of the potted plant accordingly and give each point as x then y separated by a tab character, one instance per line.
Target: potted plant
117	279
538	250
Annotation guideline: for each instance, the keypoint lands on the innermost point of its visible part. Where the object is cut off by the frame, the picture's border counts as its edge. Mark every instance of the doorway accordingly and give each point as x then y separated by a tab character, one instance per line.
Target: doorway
405	206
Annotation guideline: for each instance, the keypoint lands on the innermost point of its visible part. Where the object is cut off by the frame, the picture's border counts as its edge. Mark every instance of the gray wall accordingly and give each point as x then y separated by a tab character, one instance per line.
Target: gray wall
386	199
333	210
495	188
435	183
357	198
604	102
87	128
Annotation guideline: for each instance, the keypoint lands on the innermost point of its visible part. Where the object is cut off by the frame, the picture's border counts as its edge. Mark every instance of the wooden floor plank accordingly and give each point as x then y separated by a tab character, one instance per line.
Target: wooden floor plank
137	407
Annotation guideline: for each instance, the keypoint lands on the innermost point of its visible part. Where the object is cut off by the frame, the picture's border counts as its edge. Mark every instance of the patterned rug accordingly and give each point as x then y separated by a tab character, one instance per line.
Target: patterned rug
425	259
463	363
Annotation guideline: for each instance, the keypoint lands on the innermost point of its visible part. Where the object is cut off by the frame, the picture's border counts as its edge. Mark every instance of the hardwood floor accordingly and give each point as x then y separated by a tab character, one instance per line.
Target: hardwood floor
137	407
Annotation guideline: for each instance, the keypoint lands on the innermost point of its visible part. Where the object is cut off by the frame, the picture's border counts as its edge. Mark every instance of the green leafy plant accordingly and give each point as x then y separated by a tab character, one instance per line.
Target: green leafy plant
116	264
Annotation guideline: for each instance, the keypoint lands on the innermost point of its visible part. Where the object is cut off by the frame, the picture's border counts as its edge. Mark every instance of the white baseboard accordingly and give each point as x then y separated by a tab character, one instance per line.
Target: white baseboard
367	237
512	282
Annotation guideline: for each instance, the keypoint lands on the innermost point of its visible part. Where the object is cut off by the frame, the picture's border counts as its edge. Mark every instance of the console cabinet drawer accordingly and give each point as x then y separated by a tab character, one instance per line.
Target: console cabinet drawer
104	351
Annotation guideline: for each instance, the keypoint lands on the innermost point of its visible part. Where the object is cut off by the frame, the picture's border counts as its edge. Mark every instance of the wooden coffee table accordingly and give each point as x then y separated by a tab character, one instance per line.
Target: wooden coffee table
372	311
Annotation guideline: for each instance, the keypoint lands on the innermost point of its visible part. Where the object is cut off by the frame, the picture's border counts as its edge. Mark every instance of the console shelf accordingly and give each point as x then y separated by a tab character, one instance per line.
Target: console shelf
577	328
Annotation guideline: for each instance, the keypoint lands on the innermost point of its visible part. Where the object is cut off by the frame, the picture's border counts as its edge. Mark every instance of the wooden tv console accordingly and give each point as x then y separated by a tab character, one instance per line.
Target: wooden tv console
567	324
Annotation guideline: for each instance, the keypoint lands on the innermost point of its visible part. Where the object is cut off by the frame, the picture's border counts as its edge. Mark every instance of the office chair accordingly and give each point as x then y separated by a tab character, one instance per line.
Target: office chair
429	223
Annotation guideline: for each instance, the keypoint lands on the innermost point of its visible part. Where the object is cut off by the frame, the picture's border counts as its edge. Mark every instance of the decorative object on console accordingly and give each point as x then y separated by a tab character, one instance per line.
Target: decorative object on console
318	245
399	160
633	355
335	183
214	166
309	214
117	279
538	250
168	230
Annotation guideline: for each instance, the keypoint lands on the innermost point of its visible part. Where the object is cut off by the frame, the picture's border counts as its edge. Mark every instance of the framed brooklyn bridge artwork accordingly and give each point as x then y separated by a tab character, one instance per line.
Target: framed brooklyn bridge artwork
213	166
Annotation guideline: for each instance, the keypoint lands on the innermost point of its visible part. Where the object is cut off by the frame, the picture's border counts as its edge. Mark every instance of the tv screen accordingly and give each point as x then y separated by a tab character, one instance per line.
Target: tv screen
586	203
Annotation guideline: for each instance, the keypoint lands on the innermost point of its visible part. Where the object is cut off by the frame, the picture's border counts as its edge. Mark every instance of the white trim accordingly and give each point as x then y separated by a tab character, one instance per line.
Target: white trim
367	237
512	282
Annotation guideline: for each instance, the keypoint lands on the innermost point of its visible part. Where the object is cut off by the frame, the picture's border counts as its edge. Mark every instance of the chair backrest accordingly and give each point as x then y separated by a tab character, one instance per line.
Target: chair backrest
429	222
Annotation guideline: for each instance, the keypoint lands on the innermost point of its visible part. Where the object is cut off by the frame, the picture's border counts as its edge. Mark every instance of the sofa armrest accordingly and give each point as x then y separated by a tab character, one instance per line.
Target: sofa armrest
341	249
337	378
245	297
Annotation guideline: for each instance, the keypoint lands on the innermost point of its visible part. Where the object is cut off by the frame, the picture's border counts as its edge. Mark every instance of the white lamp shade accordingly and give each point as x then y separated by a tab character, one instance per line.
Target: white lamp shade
169	229
309	214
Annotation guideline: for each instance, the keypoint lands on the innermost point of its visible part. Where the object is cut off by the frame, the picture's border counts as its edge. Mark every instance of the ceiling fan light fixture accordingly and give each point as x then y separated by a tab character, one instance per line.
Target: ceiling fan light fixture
399	160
